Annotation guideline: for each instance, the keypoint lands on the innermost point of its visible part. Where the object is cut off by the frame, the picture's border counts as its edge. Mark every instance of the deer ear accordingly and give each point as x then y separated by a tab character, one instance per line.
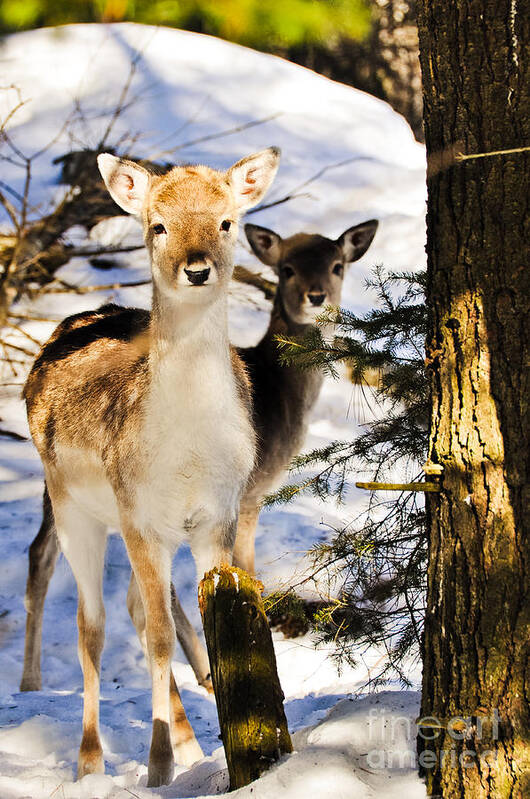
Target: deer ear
251	177
126	182
355	241
265	243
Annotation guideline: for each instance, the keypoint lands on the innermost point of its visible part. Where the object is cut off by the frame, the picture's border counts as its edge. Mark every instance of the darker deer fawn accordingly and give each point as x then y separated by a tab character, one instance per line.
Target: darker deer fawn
143	423
310	272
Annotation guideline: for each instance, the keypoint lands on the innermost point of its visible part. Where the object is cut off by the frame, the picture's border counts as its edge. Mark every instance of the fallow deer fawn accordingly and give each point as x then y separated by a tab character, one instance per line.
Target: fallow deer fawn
310	270
143	423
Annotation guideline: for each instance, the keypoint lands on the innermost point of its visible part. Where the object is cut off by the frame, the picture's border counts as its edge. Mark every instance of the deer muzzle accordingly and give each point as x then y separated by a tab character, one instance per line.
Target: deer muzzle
197	277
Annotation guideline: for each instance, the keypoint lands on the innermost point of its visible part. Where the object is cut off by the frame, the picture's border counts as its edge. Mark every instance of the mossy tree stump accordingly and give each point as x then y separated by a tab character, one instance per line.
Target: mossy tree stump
244	675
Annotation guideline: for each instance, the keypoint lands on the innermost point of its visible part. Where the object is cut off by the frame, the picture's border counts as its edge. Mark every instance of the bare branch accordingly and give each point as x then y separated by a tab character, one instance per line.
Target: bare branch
121	104
294	193
24	333
29	318
244	275
7	358
11	433
281	201
18	348
10	210
14	110
220	135
64	288
184	125
10	190
91	252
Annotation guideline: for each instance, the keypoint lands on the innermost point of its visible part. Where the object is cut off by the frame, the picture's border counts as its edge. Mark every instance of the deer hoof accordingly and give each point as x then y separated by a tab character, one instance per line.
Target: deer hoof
30	683
159	773
90	762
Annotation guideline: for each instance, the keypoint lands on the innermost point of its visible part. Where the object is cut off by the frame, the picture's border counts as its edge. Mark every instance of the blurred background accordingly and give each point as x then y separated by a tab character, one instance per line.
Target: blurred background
369	44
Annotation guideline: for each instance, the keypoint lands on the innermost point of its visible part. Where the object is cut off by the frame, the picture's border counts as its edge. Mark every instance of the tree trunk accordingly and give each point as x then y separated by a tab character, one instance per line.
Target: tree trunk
246	686
476	670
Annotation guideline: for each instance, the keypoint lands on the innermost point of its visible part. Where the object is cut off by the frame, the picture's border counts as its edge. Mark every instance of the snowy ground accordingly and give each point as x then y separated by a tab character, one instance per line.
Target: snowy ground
185	89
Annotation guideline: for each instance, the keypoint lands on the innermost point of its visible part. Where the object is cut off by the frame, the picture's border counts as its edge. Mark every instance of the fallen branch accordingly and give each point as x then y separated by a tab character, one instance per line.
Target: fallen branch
12	434
65	287
244	275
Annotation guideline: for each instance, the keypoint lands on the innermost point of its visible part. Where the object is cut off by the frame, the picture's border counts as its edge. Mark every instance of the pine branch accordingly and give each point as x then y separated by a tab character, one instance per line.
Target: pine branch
380	558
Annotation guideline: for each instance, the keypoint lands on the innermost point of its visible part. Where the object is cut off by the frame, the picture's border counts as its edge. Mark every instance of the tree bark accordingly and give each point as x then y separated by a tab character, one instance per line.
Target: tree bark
476	682
245	680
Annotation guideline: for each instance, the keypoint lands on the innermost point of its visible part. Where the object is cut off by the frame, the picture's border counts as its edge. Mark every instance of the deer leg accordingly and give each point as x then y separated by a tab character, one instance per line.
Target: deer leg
190	643
43	554
246	532
151	563
83	541
186	749
213	548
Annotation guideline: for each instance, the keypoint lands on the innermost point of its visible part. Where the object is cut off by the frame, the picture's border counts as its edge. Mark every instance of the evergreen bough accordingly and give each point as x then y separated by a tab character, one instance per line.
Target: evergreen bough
380	557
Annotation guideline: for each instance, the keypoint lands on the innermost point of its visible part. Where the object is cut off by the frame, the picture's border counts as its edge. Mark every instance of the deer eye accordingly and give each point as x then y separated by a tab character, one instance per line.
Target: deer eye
287	271
225	225
158	229
338	269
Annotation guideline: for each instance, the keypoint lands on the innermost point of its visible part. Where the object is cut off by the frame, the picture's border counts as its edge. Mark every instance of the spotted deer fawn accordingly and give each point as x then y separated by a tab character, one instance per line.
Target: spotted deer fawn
310	271
143	423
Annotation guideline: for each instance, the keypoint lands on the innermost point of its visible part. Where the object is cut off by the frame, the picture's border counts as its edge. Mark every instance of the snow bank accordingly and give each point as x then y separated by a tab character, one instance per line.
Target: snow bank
348	157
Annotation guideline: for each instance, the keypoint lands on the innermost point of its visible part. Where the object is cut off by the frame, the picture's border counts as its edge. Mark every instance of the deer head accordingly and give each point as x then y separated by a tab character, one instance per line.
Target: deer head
310	267
190	218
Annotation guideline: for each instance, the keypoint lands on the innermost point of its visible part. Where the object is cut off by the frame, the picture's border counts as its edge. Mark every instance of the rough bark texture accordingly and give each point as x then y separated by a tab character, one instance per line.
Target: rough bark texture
476	100
246	686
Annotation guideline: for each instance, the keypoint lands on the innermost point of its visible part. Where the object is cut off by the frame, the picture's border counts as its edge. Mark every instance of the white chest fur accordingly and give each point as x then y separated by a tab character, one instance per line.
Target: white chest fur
197	442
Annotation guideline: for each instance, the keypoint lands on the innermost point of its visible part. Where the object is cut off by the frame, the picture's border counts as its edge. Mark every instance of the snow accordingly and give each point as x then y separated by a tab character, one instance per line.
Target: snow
365	163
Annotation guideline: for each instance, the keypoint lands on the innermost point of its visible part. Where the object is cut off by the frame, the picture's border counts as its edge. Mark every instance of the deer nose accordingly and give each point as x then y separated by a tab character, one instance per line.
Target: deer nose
197	276
316	299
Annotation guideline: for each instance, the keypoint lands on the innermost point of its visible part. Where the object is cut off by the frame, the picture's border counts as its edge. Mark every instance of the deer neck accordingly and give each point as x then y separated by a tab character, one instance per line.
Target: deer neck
306	383
189	343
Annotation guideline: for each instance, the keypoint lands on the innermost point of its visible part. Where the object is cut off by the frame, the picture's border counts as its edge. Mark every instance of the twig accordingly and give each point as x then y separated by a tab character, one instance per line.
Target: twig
182	127
64	126
131	792
88	252
10	361
10	210
29	318
11	191
425	487
287	198
294	193
73	252
11	433
220	135
14	110
18	349
67	287
121	101
24	333
61	785
467	157
244	275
